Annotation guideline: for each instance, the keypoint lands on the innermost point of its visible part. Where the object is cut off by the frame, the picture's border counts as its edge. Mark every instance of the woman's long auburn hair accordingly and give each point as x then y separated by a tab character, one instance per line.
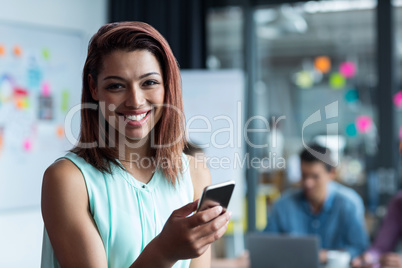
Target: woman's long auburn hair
169	130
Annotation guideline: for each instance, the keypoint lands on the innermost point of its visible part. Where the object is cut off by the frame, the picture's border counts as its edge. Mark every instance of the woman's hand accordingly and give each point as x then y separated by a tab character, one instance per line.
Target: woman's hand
391	260
186	237
363	261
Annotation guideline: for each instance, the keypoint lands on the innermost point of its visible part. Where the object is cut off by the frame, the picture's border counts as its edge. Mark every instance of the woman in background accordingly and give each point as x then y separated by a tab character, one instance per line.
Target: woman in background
125	194
382	253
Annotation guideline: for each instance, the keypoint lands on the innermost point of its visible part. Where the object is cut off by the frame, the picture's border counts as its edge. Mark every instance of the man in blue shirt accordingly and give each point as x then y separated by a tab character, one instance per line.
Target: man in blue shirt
321	207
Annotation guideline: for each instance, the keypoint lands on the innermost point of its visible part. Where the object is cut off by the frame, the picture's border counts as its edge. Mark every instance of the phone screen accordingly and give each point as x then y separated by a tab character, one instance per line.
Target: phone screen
215	195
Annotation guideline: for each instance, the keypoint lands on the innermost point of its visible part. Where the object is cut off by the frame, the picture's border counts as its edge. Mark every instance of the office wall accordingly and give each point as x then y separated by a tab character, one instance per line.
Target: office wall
21	230
86	16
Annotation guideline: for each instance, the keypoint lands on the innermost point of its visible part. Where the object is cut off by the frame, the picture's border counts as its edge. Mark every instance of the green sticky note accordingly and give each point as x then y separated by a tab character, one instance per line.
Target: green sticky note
337	81
27	103
65	96
46	53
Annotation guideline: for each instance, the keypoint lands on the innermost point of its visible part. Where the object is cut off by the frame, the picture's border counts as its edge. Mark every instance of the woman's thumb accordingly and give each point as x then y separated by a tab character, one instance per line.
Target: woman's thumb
184	211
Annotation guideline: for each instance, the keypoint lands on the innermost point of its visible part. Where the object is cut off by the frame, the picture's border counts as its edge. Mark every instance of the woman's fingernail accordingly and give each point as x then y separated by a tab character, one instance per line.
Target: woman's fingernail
219	209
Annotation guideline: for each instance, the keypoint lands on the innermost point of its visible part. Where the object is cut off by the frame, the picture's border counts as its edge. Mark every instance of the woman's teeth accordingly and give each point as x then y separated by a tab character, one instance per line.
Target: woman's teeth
135	117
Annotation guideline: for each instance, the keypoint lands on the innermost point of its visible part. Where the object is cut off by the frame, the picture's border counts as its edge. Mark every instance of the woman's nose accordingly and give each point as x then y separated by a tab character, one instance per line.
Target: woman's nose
135	98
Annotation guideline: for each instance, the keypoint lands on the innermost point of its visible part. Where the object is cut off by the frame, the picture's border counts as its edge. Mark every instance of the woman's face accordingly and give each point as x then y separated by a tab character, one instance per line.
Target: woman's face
130	92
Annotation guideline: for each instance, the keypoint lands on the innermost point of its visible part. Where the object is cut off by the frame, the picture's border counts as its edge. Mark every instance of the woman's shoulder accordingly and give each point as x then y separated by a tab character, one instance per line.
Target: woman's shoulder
62	176
199	172
63	191
62	168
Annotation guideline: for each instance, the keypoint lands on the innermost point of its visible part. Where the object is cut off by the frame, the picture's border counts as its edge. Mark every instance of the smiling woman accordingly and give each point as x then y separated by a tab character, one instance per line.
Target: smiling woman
110	55
124	194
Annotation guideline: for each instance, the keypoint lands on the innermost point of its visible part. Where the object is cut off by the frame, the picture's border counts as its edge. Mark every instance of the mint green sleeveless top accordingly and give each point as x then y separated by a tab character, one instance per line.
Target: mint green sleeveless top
127	212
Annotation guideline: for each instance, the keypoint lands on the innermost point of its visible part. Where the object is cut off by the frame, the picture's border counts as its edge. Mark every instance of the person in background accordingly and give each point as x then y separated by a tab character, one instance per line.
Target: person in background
381	252
124	196
322	207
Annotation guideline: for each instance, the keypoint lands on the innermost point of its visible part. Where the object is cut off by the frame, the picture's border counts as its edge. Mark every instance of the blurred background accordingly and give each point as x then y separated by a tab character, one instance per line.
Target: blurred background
284	61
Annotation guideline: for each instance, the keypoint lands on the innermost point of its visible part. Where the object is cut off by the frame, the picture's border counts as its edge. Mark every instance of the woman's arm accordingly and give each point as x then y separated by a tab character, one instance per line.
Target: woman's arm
65	210
201	178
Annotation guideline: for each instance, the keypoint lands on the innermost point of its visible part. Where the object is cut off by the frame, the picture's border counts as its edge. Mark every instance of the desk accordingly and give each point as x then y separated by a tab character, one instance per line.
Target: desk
240	262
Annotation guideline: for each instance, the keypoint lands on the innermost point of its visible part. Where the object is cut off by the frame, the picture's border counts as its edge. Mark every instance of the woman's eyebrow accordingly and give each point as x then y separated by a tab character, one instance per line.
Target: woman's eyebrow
141	77
113	77
148	74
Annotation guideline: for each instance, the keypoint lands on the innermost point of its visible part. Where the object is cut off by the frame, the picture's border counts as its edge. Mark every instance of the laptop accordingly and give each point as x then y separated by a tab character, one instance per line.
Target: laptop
278	251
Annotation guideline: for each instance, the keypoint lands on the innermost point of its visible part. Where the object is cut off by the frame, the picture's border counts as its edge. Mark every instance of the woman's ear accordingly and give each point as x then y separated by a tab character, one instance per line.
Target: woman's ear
93	88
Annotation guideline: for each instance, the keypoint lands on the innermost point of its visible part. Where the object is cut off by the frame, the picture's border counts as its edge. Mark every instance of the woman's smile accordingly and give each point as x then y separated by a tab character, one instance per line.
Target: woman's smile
135	118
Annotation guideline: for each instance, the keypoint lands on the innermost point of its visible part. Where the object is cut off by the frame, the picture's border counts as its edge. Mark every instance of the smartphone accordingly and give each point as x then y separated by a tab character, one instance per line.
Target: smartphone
216	195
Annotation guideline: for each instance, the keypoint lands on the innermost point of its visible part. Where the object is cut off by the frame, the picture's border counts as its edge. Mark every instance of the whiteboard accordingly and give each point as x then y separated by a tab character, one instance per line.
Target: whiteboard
40	81
214	108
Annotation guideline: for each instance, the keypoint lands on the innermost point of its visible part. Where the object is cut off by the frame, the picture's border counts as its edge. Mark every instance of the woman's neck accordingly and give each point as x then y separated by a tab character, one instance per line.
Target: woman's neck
137	157
134	150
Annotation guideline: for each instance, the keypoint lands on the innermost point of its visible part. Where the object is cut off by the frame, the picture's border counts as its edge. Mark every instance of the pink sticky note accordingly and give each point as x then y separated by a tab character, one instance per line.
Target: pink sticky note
398	99
46	89
27	145
347	69
364	123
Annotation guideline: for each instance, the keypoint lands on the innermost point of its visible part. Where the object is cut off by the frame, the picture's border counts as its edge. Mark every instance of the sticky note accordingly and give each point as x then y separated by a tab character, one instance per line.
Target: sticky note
348	69
34	77
364	123
351	96
46	53
337	81
25	103
17	50
351	130
322	64
304	79
45	89
65	96
22	103
60	132
19	91
398	99
1	139
27	145
6	87
2	50
19	103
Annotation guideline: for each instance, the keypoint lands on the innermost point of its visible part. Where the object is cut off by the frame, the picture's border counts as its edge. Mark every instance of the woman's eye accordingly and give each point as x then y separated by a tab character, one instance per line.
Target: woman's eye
150	83
114	86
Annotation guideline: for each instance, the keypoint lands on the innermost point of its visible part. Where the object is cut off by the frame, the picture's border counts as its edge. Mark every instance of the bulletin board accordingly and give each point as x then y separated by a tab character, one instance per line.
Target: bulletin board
40	81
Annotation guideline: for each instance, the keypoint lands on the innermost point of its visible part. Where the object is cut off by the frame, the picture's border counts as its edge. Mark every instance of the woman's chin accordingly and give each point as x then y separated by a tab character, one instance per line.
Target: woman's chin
135	136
